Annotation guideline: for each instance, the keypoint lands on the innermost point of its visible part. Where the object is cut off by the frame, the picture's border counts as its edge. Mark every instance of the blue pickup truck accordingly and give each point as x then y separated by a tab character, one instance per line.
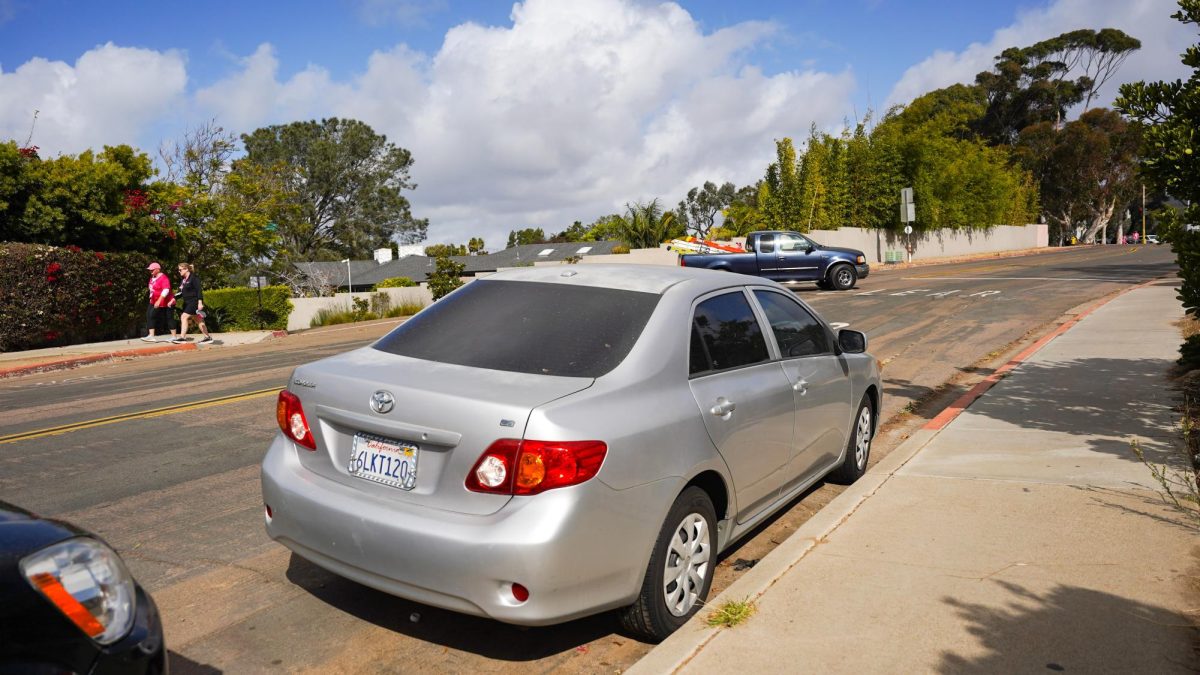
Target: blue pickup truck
789	256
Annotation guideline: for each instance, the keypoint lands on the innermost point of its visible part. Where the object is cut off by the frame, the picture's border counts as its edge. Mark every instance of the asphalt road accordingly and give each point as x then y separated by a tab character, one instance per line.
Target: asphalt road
160	456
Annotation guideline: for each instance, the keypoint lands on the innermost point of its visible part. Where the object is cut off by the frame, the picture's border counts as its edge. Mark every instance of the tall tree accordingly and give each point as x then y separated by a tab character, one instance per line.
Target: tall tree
646	225
529	235
697	212
1085	170
223	211
476	246
347	183
94	201
1171	155
1036	84
779	199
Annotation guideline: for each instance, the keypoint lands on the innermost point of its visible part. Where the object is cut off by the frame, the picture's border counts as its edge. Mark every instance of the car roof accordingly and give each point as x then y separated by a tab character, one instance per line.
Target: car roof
655	279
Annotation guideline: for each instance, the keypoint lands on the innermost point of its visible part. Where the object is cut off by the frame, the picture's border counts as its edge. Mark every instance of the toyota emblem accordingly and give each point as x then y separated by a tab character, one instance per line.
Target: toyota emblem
382	401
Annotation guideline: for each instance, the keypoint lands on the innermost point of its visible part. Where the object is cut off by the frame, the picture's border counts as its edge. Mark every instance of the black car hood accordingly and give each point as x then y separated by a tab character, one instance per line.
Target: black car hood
22	532
10	512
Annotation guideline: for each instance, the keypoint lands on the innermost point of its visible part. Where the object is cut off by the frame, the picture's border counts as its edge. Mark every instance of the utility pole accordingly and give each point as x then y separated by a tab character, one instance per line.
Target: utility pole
1143	212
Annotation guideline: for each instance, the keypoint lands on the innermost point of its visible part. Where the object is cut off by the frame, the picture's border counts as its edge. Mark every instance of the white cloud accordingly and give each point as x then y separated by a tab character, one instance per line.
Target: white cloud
573	110
106	98
567	113
1163	40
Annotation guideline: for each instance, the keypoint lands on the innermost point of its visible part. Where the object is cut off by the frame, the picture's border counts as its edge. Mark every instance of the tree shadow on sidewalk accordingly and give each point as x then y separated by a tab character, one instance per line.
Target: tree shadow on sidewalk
1109	401
1073	629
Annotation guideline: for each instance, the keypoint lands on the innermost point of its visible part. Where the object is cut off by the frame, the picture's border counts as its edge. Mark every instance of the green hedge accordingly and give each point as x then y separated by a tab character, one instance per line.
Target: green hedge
231	309
52	296
396	282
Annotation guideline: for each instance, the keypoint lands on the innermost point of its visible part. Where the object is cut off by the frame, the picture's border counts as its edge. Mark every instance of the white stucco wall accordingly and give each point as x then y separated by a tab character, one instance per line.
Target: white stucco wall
875	243
306	308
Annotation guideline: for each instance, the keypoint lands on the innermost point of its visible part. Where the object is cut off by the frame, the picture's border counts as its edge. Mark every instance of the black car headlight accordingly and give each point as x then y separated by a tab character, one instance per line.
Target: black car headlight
87	582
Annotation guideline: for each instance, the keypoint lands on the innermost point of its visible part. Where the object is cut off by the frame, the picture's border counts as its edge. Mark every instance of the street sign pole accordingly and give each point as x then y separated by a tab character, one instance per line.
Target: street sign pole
908	215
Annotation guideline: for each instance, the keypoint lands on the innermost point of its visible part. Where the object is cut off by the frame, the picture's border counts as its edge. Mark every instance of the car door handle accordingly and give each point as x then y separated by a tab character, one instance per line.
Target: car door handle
723	408
801	386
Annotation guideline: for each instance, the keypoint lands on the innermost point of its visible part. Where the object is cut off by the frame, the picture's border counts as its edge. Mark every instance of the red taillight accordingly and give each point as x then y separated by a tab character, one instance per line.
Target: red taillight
290	416
515	467
520	593
681	262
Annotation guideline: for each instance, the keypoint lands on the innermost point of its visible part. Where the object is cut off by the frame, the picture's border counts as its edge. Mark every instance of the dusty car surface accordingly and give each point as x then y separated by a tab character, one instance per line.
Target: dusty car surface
548	443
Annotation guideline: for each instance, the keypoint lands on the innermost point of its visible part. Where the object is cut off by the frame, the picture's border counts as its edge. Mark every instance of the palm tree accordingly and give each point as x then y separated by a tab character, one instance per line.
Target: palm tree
646	225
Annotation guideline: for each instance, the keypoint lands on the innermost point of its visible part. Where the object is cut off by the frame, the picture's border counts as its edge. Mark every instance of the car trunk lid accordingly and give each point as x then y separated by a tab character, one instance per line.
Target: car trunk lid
448	414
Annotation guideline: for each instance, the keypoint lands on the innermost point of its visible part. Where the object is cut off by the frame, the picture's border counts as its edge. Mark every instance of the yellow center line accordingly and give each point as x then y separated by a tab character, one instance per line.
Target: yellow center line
145	414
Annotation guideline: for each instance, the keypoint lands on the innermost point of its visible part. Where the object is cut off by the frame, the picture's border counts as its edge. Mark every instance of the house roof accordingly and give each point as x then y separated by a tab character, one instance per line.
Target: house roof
418	267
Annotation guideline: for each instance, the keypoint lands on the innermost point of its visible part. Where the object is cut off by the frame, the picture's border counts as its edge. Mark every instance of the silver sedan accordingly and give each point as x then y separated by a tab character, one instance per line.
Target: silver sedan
548	443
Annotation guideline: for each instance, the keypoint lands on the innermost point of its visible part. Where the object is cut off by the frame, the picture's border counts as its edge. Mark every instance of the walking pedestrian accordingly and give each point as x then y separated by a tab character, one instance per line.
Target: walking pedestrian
192	296
158	314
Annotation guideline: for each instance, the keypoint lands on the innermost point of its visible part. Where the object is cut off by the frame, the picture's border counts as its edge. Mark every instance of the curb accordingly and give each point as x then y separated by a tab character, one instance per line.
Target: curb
76	361
674	653
64	364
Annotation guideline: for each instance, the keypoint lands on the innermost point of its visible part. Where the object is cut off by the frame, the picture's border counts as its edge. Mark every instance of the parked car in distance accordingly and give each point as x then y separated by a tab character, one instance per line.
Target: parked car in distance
67	603
1152	239
788	256
548	443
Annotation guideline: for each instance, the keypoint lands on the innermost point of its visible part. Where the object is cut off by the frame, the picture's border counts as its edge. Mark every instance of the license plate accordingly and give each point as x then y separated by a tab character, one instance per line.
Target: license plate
383	460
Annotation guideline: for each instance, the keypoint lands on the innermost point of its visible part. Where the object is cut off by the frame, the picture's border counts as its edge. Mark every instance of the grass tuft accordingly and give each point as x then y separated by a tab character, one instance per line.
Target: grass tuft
731	613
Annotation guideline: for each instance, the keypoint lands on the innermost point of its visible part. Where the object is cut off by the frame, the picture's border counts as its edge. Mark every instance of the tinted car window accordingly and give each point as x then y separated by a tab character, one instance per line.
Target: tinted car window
725	328
766	243
527	327
797	332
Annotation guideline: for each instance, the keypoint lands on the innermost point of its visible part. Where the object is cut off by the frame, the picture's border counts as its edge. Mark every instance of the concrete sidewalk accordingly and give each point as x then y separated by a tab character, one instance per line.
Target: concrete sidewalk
30	361
1024	536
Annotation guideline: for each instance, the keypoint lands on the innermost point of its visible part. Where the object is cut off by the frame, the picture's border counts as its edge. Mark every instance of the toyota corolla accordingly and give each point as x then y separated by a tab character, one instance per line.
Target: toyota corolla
548	443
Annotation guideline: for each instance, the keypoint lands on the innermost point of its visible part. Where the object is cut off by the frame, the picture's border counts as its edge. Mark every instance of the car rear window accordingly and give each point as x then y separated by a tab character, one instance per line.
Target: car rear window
527	327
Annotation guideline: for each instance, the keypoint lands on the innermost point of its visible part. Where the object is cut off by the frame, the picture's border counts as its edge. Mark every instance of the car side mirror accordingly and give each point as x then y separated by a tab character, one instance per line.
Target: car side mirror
852	341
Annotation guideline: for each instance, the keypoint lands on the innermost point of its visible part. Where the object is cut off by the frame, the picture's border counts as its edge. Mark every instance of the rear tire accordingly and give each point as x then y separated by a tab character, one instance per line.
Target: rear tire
858	448
842	277
680	572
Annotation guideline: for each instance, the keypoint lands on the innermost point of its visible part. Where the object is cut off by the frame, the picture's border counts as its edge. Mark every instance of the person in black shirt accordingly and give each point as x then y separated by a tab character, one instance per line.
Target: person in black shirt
193	303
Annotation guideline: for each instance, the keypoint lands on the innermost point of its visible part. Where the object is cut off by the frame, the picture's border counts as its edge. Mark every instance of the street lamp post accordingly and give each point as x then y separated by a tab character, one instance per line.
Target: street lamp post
349	279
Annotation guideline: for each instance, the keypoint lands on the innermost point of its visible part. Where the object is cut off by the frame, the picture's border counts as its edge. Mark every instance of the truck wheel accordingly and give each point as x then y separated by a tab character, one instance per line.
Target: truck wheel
842	277
823	285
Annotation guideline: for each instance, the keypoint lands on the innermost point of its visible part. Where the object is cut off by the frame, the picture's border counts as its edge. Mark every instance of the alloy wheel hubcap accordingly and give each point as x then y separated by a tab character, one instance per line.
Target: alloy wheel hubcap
862	438
687	564
844	277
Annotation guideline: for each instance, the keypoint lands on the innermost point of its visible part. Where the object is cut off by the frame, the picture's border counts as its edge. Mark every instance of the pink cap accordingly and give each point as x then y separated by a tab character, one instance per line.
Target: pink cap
154	266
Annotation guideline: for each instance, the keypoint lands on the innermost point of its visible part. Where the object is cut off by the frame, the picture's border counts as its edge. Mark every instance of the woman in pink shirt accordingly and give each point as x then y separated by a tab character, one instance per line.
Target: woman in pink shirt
158	314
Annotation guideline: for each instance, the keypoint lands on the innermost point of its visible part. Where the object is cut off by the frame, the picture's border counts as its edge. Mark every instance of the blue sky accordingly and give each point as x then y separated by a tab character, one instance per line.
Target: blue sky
529	114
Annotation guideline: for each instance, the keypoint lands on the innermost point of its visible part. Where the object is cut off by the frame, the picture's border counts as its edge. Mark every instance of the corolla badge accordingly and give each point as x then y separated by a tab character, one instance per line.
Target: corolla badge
382	401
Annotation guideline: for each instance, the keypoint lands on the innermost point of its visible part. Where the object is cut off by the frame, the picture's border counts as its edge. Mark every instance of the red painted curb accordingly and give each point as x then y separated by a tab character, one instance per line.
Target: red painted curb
64	364
955	409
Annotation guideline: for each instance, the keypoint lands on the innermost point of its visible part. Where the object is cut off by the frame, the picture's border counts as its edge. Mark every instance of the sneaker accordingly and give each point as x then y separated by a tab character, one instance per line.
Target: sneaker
178	340
207	338
149	338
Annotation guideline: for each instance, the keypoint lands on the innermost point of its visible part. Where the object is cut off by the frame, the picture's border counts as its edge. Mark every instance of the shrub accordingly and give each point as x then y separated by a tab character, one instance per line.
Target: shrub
405	309
58	296
620	249
237	308
446	277
396	282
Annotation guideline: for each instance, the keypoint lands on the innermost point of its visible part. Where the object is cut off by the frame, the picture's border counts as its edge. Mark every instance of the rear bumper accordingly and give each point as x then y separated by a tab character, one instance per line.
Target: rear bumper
578	550
863	270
